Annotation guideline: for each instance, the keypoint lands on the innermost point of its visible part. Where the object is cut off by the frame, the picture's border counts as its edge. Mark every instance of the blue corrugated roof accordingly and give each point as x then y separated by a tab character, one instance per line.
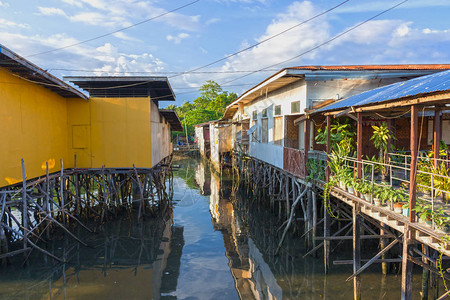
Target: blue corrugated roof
421	85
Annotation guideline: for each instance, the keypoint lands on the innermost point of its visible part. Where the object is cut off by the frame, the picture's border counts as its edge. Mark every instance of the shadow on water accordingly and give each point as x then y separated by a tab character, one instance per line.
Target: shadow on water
216	242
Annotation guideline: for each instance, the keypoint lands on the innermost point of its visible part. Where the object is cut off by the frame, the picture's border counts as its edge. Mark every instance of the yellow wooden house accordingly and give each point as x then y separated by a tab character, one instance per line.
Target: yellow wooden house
44	119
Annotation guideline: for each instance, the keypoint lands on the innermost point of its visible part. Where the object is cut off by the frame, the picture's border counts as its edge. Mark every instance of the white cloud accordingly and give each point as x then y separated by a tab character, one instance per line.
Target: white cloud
51	11
73	3
177	38
123	36
212	21
288	44
382	5
5	23
99	19
4	4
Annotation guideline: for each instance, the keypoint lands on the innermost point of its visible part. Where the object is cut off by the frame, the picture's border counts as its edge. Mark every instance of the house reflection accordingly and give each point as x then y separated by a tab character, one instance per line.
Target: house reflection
128	260
252	275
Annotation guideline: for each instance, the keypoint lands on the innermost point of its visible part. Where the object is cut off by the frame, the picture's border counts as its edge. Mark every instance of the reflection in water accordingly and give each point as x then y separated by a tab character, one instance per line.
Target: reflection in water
250	235
127	260
216	243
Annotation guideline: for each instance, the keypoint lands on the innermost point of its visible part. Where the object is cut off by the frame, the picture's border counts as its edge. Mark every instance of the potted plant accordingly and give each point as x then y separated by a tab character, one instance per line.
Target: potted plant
425	212
365	188
405	209
442	220
380	137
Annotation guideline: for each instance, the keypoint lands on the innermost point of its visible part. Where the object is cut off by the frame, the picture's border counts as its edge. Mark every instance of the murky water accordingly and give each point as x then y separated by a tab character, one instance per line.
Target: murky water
216	243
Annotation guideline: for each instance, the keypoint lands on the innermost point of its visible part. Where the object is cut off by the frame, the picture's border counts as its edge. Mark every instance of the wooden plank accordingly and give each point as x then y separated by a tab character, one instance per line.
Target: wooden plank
328	146
350	237
377	261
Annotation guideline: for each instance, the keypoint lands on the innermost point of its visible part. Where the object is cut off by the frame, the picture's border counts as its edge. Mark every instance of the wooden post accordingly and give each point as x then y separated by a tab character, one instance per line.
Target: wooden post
326	216
407	266
24	210
359	144
356	252
383	243
413	167
307	144
326	243
425	273
61	191
437	136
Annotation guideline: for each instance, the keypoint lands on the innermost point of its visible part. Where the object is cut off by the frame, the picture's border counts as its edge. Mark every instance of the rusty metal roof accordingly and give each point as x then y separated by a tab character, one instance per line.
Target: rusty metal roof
376	67
172	117
26	70
318	73
156	87
419	86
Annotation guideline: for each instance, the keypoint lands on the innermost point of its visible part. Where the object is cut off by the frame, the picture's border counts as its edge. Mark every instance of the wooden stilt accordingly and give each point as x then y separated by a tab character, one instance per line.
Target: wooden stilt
383	242
356	252
425	274
24	209
407	266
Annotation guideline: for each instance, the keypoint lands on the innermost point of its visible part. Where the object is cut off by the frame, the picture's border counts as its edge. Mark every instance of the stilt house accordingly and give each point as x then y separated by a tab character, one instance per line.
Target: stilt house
46	120
273	109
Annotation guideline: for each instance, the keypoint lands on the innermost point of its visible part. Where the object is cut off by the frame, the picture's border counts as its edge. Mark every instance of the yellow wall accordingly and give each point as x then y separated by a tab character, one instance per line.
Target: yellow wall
110	132
34	127
39	125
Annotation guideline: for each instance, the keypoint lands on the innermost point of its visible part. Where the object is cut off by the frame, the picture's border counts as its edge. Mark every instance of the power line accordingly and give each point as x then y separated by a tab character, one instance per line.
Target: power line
116	31
322	44
263	41
157	72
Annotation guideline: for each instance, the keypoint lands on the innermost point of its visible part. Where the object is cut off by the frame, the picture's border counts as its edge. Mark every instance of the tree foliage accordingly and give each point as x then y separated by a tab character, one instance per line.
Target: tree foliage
210	105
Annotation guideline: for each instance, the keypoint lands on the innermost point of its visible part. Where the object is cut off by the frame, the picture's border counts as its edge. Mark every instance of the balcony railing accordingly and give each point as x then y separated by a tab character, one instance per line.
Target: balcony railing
388	184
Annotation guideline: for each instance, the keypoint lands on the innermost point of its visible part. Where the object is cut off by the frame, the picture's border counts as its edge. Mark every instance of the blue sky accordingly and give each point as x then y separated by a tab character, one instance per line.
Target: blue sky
416	32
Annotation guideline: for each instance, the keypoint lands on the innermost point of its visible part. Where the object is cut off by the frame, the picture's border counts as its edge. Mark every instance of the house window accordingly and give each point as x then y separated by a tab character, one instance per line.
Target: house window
254	115
255	133
264	113
277	110
295	107
265	130
278	131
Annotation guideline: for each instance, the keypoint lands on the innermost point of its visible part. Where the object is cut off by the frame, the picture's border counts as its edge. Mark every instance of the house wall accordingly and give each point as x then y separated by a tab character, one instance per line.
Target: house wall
34	127
160	136
111	132
271	152
200	140
214	144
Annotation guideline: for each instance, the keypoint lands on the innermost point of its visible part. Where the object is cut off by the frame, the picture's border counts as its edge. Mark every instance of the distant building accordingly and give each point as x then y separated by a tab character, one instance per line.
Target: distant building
44	120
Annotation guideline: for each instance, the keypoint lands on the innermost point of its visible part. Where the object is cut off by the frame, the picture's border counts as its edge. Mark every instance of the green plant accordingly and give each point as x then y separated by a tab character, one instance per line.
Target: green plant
424	210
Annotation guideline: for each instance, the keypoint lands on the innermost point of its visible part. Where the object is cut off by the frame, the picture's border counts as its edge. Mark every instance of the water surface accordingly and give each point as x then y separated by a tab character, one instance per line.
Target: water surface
217	242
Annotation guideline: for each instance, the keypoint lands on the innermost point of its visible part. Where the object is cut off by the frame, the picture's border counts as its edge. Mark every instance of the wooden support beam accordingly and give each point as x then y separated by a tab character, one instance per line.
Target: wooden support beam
437	135
413	166
356	252
350	237
366	265
407	265
377	261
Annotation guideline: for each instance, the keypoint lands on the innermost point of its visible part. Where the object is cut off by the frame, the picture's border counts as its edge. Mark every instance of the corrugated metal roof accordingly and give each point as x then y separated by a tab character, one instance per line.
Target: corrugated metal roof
27	70
428	84
157	88
376	67
172	117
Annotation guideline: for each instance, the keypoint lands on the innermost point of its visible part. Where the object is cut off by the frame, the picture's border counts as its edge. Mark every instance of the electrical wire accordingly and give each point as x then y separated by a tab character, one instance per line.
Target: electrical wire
115	31
157	72
263	41
322	44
